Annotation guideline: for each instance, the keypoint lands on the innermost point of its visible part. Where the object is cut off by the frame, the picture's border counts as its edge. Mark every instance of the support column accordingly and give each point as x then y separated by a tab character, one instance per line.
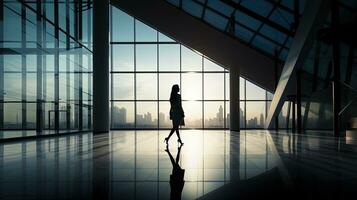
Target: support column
336	92
56	58
293	117
298	101
234	99
39	94
23	68
1	66
68	81
100	66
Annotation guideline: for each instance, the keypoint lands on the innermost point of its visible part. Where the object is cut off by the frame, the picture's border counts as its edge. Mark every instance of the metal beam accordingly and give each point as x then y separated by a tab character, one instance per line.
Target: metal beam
215	44
314	16
349	70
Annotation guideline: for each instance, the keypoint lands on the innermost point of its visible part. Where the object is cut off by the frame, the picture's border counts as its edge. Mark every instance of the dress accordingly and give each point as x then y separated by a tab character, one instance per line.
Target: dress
176	112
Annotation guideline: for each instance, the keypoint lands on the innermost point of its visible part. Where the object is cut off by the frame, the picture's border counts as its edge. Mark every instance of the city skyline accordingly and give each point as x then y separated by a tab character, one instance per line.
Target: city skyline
148	119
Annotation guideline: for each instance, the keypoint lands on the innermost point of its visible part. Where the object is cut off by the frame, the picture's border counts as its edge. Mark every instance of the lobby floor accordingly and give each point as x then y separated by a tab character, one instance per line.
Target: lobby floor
211	165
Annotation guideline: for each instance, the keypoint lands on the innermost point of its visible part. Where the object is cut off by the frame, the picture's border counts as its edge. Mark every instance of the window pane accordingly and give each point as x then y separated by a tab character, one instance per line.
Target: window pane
50	117
270	96
241	88
122	26
254	92
215	19
49	63
123	57
211	66
62	86
227	86
191	86
191	61
144	33
12	115
31	63
214	86
193	114
227	115
50	87
31	115
84	117
241	114
193	8
283	115
123	115
214	114
164	38
164	115
169	57
166	81
85	77
123	87
146	57
12	87
12	25
146	86
255	114
146	116
62	116
12	63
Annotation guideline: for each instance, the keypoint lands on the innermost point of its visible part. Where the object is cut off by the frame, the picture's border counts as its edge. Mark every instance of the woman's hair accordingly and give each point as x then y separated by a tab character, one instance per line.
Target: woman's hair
175	89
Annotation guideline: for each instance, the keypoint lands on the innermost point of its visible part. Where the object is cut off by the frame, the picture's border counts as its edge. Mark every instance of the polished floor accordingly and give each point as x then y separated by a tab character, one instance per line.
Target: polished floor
210	165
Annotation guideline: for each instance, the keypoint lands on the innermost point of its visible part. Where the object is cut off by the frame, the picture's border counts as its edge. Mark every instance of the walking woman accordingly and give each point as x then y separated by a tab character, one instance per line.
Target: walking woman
176	113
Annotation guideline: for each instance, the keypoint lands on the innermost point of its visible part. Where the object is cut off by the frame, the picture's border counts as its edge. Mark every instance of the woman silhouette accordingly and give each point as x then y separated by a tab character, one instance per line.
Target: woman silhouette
176	113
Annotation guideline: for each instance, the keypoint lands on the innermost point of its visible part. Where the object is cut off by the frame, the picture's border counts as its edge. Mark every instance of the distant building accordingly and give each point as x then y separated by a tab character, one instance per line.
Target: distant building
261	120
162	119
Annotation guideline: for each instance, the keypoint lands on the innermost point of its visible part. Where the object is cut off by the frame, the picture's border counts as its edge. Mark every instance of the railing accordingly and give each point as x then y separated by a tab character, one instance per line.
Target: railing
354	97
349	95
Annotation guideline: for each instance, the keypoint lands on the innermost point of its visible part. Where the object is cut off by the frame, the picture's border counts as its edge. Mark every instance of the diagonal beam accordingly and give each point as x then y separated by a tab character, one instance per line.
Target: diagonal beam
313	19
217	45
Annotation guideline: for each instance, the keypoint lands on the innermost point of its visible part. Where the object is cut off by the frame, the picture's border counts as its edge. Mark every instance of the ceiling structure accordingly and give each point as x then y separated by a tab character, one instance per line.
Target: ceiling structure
265	25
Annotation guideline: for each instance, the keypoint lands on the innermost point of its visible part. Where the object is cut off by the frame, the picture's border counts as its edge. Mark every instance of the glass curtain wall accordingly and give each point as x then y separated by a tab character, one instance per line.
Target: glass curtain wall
45	65
317	75
145	64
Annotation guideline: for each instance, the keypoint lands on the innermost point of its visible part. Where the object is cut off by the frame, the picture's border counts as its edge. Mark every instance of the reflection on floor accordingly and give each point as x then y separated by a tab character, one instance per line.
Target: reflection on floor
11	134
210	165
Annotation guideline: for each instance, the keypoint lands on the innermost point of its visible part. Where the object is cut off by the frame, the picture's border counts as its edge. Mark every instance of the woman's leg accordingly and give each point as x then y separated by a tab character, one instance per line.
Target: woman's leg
178	135
171	132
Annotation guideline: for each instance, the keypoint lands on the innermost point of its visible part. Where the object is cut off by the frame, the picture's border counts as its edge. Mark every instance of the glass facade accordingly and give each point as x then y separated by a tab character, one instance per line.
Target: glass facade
46	74
45	65
145	64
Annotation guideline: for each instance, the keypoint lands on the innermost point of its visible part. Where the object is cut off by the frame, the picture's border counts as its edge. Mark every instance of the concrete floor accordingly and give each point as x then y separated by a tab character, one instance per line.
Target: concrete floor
216	164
